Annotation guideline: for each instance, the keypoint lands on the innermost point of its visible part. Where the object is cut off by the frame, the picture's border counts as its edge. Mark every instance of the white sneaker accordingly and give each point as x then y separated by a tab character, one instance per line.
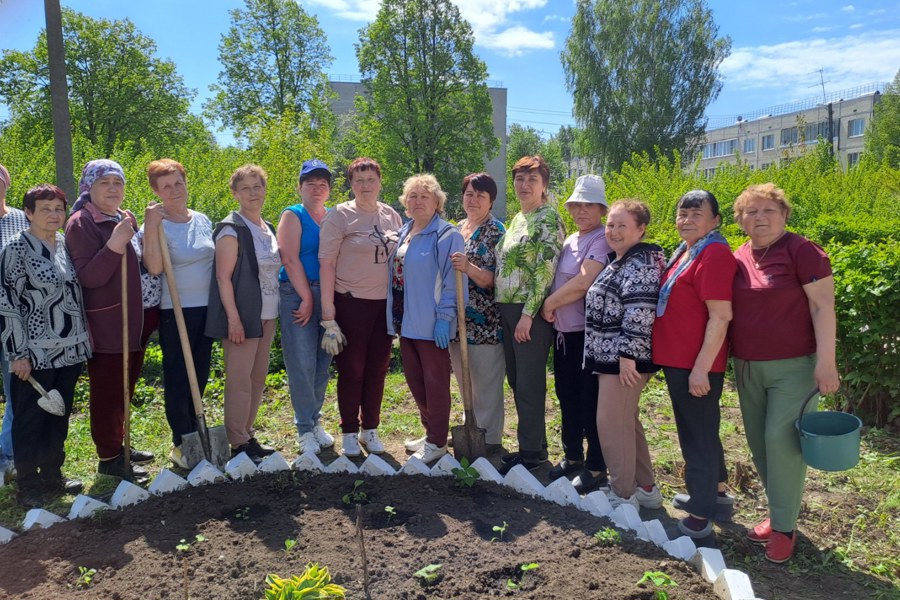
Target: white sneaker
616	500
414	445
651	499
430	452
309	443
323	438
350	445
368	438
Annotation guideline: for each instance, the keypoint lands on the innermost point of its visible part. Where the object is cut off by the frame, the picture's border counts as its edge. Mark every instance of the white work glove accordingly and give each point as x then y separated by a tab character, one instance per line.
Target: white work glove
333	341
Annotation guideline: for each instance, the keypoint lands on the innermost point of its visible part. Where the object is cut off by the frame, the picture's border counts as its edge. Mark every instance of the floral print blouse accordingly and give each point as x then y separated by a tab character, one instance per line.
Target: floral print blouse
482	314
526	258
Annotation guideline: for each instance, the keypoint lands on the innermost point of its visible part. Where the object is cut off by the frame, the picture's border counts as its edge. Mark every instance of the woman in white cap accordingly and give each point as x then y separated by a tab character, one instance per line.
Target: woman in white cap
583	256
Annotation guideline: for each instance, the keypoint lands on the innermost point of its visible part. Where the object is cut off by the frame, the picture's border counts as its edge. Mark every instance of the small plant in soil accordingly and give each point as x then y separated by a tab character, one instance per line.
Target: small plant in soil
85	577
313	584
429	575
465	474
659	581
289	544
608	537
511	584
391	512
242	514
355	496
499	530
184	545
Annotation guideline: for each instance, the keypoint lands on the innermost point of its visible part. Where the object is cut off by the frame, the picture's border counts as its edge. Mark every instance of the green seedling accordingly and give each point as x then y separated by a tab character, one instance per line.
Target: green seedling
530	567
242	514
314	583
85	577
429	575
391	512
511	585
465	474
608	537
184	545
659	580
289	544
355	496
499	529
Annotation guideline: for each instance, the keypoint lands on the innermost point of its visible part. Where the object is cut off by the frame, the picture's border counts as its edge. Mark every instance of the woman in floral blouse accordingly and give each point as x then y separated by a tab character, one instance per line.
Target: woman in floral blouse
481	231
526	261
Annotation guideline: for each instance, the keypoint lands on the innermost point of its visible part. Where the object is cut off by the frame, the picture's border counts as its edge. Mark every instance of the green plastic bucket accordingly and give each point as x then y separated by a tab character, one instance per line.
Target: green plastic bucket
829	439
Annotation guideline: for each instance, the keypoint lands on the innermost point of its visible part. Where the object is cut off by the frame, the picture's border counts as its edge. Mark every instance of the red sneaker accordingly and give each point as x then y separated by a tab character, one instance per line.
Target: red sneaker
780	547
761	533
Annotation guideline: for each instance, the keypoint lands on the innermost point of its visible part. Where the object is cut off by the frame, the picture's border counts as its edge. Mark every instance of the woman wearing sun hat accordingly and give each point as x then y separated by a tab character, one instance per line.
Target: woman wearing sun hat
583	256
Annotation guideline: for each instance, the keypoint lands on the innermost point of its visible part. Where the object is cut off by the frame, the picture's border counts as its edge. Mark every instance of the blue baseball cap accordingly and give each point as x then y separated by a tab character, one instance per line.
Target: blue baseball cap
311	166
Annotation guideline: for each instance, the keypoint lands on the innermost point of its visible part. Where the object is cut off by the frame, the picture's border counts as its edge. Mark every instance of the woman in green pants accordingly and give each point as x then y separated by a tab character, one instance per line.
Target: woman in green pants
783	342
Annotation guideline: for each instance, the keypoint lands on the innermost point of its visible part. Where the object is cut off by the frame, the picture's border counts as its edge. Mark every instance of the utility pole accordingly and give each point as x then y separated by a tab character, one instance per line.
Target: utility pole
59	99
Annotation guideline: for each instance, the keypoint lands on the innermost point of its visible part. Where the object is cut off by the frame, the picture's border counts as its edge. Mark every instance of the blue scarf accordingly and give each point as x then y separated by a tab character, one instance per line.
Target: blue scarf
713	237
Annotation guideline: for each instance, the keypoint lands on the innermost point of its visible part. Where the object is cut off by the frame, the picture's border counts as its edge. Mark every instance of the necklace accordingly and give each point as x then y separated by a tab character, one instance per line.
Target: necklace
761	258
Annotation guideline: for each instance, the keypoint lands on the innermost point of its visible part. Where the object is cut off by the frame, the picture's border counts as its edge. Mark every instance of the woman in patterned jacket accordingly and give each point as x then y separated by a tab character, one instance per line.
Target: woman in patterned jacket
620	308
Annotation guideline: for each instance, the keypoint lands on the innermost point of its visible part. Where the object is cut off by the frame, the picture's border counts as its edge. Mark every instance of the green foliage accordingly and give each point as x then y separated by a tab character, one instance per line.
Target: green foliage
85	577
658	580
313	584
355	496
465	474
883	135
642	74
184	546
119	91
608	537
391	512
499	530
868	311
429	575
274	59
427	106
289	545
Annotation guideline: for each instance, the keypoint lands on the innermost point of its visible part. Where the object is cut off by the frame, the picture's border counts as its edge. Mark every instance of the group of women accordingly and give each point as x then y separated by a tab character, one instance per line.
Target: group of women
344	281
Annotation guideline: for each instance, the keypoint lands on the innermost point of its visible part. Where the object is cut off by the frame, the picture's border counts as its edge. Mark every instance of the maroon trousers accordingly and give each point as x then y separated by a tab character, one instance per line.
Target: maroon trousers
363	364
427	371
107	401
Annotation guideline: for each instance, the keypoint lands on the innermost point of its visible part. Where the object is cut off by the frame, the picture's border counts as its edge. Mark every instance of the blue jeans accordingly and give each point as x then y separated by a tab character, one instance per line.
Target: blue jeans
304	360
6	446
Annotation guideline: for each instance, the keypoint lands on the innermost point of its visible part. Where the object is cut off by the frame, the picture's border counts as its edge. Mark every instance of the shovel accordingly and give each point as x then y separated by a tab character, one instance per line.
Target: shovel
209	443
126	445
468	438
51	401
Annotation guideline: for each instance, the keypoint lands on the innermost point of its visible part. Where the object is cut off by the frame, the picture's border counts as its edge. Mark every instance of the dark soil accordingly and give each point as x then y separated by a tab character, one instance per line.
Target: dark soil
246	524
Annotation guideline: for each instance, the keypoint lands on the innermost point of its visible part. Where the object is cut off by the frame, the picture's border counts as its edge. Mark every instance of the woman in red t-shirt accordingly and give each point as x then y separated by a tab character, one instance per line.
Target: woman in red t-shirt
689	343
783	342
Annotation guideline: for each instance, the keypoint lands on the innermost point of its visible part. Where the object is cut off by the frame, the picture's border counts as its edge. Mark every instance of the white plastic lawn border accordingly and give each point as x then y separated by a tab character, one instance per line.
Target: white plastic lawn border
728	584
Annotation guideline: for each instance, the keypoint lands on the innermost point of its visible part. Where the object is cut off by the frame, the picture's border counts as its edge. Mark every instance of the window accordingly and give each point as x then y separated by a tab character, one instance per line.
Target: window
764	166
856	127
709	173
750	146
790	136
768	142
852	159
716	149
813	131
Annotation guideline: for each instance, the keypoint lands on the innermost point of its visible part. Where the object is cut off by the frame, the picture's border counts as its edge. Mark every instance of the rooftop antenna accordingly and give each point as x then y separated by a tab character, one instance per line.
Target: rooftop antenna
822	83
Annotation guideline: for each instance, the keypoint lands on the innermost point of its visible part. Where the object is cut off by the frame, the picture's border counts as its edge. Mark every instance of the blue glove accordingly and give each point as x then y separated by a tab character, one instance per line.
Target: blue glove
442	334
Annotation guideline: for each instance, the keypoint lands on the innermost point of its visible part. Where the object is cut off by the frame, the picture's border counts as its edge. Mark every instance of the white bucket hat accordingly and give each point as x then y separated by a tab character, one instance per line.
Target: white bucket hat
589	189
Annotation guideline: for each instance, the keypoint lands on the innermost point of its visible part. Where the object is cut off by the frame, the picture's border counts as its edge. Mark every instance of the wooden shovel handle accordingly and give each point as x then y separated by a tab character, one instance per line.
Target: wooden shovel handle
179	322
38	387
126	391
466	390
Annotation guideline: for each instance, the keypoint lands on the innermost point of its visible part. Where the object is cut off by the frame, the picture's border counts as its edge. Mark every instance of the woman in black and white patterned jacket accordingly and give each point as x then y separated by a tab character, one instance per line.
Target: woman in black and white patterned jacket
620	308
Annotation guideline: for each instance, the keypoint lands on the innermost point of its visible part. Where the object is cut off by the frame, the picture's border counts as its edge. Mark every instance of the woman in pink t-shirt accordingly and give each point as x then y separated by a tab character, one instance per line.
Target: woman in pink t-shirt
783	342
692	318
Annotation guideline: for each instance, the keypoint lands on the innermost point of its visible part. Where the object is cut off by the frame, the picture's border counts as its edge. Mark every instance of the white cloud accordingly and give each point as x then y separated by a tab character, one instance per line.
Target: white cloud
788	69
857	26
809	17
821	29
492	21
849	8
876	12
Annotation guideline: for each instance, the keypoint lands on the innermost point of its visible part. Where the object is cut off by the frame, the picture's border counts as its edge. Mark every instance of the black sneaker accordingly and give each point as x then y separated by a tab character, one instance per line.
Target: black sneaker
63	485
141	457
30	498
565	468
586	482
248	450
511	460
116	468
259	449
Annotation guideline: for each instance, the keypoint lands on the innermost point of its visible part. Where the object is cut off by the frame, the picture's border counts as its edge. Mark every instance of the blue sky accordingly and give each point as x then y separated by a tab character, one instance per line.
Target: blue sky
778	47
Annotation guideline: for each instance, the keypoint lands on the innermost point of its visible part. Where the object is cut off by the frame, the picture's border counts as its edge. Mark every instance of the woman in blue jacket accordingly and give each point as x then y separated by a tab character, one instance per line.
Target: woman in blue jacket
421	306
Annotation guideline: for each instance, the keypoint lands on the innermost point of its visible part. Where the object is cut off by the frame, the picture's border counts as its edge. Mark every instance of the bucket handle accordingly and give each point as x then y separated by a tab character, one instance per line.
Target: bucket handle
809	397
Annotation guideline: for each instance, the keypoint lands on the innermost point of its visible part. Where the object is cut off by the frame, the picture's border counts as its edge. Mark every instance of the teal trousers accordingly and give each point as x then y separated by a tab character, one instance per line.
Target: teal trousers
771	393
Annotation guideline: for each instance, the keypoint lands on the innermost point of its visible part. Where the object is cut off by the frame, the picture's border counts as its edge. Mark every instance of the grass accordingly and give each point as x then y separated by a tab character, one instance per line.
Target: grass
851	518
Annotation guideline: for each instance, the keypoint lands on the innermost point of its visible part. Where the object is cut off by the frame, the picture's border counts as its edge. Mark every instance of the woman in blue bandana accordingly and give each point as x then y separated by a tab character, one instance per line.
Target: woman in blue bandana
689	334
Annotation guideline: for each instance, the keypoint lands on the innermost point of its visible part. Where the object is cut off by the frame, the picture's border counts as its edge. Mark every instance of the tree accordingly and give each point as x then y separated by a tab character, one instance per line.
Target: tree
883	136
427	106
118	90
274	58
642	74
